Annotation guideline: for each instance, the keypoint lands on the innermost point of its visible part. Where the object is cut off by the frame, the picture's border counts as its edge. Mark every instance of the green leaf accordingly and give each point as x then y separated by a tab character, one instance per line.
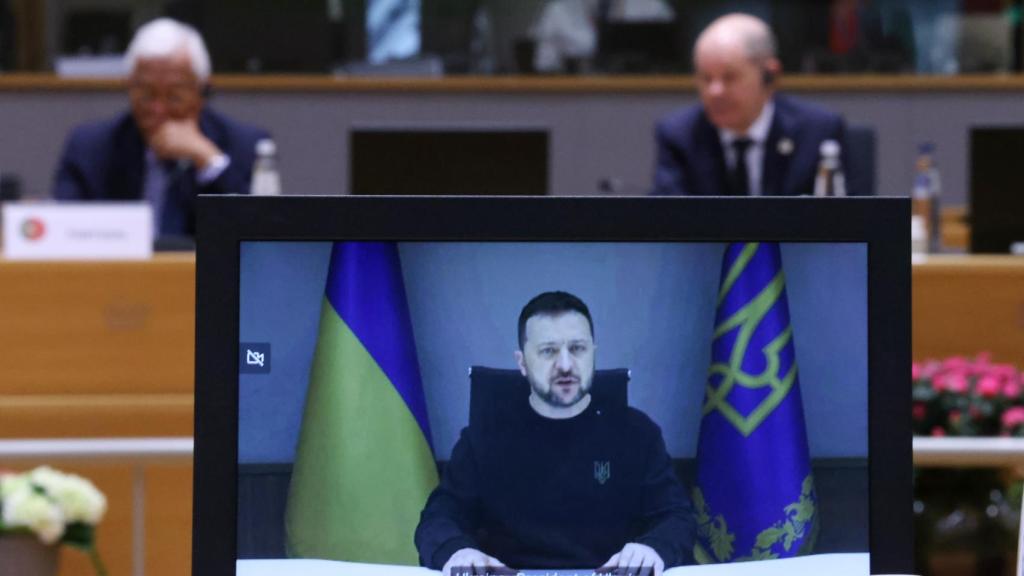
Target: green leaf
700	506
802	511
79	535
790	536
721	539
769	536
701	556
807	487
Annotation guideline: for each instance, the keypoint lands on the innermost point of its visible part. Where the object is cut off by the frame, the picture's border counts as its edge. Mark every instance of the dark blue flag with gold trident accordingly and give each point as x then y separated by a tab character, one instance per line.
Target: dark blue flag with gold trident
755	495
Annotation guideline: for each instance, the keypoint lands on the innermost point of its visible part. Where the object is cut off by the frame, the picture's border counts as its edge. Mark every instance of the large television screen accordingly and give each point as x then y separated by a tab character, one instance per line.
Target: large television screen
388	382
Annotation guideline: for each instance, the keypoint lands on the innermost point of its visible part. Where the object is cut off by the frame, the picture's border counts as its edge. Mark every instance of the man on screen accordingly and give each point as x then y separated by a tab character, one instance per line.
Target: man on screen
569	483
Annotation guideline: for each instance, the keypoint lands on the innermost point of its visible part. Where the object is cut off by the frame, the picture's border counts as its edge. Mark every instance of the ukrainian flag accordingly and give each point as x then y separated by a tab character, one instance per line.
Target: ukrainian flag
755	496
364	464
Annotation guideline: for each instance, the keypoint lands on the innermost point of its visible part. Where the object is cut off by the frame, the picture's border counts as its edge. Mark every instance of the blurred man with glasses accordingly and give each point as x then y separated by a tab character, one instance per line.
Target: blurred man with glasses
170	146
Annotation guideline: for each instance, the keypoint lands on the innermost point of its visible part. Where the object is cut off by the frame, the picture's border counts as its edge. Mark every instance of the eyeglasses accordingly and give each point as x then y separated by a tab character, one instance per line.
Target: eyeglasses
174	97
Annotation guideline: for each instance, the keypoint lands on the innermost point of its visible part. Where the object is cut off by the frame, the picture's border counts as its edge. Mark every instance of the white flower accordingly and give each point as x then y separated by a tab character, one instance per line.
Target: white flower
28	508
80	500
77	497
10	483
45	501
46	478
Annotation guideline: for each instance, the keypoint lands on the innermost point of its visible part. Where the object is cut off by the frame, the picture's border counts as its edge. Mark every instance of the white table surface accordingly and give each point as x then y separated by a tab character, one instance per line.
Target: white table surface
817	565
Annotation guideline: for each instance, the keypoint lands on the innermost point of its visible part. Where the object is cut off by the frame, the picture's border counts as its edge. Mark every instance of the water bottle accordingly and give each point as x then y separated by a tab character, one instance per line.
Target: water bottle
925	194
918	235
830	180
265	179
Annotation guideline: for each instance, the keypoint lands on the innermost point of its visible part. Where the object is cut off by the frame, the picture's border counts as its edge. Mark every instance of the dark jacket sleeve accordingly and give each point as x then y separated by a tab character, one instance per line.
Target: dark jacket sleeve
449	518
238	142
69	181
237	177
233	180
670	169
667	510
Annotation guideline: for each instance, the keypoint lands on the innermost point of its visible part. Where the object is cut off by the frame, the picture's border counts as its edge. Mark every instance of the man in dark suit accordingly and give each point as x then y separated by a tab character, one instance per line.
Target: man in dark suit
169	147
744	139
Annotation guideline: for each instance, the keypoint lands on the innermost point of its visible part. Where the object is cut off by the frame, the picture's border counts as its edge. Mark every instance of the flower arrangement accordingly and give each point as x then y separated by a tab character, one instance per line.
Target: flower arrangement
966	513
57	508
961	396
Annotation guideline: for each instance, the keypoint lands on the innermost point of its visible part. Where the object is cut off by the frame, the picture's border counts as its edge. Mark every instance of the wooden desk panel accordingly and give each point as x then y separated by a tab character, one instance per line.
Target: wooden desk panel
95	415
97	327
963	305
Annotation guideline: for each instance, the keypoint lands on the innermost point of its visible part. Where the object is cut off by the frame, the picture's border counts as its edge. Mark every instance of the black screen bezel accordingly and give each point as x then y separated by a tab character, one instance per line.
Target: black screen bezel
224	222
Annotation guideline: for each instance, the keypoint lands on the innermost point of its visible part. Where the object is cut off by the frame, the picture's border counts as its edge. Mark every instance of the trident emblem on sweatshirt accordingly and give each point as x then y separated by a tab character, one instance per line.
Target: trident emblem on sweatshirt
602	471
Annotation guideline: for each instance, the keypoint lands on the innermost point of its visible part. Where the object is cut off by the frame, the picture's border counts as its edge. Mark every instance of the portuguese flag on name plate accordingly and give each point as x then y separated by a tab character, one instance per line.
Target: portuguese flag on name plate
364	465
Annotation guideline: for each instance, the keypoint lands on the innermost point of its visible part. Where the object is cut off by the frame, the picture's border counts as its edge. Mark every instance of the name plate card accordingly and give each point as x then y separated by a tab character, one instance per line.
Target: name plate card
78	231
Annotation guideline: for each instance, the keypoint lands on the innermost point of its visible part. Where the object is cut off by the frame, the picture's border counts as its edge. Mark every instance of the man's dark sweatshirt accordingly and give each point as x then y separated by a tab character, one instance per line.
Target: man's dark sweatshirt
536	492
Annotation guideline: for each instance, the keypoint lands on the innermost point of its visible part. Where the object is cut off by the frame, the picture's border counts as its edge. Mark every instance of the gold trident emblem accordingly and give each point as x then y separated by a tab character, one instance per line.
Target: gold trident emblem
747	319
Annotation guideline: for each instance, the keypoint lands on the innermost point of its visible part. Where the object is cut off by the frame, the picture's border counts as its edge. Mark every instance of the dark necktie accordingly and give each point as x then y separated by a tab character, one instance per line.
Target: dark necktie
172	212
740	179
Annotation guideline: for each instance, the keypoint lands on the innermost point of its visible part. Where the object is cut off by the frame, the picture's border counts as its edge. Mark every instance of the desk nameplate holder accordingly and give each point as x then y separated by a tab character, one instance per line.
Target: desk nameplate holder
77	231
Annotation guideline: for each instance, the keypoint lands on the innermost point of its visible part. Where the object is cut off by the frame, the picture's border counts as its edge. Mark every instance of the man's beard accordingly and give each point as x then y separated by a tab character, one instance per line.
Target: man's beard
551	397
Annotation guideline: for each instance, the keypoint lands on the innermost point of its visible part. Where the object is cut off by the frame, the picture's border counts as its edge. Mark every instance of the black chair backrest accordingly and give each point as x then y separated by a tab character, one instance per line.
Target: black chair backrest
495	391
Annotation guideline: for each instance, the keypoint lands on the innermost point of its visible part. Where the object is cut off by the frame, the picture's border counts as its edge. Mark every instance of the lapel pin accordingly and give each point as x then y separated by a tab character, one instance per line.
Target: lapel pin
785	146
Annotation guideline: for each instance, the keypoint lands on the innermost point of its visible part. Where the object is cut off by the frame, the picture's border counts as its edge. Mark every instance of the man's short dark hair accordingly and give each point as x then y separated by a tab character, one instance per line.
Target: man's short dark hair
552	304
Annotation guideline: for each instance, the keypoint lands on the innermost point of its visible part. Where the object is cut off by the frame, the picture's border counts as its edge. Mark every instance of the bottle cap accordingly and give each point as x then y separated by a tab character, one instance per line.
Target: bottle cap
266	147
829	149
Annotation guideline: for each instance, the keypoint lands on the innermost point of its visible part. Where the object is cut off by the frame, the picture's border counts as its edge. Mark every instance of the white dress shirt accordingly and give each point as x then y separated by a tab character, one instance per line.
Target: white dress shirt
156	179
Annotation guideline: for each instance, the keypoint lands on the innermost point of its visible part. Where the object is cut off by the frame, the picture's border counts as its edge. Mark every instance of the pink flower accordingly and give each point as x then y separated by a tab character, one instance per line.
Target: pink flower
930	368
1012	389
938	431
958	363
915	371
1004	371
989	386
919	411
1013	417
953	381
